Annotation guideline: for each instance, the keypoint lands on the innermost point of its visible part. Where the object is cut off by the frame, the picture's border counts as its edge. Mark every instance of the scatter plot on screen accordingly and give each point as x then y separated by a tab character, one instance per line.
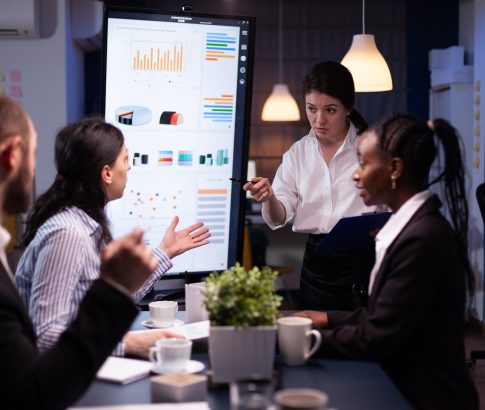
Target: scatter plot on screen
144	201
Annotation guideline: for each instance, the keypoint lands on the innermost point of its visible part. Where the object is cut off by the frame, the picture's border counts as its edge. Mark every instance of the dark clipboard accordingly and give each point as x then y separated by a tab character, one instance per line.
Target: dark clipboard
354	231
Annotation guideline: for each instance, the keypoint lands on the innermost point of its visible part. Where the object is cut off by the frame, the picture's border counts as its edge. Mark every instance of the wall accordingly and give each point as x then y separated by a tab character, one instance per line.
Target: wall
471	35
478	174
430	24
466	32
317	31
52	87
471	123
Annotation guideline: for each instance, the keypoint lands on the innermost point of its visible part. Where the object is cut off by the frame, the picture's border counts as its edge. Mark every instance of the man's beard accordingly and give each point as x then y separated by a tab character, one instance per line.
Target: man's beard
18	194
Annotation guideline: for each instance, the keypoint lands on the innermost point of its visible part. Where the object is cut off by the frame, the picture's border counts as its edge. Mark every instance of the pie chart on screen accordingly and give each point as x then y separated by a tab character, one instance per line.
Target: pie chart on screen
133	115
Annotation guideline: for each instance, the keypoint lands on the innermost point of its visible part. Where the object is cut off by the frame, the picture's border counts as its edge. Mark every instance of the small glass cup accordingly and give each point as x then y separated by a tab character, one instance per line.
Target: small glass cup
251	394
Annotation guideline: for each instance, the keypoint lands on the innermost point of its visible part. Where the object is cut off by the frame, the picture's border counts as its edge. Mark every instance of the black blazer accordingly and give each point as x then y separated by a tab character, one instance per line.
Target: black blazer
57	378
414	321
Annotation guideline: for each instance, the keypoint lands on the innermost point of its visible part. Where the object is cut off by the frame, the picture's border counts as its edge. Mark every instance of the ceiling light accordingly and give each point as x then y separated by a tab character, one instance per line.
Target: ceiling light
367	65
280	105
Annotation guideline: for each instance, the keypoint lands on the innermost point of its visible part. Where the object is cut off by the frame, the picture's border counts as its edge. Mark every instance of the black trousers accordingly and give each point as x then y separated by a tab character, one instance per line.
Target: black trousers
335	279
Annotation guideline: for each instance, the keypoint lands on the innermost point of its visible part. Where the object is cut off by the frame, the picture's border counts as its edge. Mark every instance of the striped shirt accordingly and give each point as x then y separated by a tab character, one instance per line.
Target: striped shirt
59	266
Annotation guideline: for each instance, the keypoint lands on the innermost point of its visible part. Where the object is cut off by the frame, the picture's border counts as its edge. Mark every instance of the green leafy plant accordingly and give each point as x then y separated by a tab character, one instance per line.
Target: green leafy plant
240	298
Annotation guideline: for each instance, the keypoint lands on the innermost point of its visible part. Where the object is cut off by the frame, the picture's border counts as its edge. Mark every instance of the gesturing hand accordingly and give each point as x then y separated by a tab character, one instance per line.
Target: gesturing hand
176	242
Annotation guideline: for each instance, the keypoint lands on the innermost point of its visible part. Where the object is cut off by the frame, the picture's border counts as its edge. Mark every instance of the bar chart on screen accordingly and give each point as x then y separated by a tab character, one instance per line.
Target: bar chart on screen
218	109
220	46
212	209
163	56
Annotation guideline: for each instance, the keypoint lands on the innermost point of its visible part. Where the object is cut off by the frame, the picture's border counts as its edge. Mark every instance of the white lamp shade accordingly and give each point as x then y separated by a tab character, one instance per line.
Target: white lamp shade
367	65
280	105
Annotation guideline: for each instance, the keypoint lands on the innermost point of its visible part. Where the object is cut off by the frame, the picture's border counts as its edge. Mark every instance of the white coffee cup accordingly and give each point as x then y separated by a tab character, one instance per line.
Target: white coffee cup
301	399
171	355
294	339
194	309
163	312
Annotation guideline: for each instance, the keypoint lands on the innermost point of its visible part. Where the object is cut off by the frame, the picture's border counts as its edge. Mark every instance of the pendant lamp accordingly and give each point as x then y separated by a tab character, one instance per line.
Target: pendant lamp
367	65
280	105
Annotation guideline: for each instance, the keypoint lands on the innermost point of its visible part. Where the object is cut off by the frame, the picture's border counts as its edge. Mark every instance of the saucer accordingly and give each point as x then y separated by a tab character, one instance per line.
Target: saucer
148	323
193	366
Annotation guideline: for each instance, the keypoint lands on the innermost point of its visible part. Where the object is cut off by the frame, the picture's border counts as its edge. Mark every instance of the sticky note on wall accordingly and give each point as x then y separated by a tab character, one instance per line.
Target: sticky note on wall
15	75
15	90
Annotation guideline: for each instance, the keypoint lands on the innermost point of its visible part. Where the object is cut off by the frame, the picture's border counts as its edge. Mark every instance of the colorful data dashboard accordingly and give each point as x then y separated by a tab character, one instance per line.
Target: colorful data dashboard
179	88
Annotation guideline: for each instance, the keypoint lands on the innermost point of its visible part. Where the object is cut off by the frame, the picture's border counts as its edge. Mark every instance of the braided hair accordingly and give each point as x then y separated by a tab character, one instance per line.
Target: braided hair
412	139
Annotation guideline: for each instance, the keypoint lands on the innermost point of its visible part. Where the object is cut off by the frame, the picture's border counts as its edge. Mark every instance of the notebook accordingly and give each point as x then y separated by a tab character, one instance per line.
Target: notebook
122	370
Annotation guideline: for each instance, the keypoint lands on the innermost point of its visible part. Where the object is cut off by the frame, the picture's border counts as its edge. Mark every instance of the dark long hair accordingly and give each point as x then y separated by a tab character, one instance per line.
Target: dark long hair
412	139
82	149
335	80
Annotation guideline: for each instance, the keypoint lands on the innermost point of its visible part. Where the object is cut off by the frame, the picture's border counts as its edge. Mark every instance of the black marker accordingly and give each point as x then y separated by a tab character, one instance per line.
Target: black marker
239	180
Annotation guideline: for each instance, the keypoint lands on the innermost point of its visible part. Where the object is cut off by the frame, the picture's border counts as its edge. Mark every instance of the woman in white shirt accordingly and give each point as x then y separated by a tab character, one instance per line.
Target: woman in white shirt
313	188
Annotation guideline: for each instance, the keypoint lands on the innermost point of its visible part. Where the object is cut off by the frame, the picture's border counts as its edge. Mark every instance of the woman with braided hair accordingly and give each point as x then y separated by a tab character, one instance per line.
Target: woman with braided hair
413	324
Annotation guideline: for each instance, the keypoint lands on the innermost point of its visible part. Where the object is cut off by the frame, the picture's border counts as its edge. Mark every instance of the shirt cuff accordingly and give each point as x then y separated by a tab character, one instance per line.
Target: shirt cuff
268	220
120	349
164	262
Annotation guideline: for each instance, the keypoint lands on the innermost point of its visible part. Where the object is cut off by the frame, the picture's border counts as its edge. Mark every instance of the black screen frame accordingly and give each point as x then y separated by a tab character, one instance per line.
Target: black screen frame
242	128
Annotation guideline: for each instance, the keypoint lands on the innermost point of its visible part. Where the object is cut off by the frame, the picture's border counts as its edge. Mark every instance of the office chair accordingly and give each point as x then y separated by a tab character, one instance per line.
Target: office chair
480	194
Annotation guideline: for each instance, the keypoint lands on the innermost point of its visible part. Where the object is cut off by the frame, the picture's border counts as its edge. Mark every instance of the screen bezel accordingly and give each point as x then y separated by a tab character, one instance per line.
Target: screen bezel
241	145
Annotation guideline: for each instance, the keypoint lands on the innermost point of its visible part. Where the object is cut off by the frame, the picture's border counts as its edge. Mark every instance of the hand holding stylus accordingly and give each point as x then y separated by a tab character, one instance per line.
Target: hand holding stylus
260	189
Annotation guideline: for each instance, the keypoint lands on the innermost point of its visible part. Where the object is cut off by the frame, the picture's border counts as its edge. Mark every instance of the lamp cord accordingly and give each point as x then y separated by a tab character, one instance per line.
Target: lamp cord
363	16
280	42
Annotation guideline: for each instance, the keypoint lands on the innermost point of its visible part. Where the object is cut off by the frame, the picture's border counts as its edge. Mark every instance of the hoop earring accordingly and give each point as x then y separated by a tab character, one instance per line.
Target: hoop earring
393	184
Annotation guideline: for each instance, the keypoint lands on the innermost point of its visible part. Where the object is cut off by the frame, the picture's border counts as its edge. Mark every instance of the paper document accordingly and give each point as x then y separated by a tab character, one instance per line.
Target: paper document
122	370
192	331
166	406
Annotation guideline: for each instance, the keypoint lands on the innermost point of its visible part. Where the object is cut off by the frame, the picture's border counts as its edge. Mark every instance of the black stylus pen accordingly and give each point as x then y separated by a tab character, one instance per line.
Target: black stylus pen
239	180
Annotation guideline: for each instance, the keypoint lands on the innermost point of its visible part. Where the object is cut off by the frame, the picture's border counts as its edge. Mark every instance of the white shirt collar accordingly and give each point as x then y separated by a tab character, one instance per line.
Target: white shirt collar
398	221
4	238
393	228
349	140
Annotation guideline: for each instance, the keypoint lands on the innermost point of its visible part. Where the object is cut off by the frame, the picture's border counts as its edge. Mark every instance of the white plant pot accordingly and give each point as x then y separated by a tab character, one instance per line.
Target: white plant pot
237	354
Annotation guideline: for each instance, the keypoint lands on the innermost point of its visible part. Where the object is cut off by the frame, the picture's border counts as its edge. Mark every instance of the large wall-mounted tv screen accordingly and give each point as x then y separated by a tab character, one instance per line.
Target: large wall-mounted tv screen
178	85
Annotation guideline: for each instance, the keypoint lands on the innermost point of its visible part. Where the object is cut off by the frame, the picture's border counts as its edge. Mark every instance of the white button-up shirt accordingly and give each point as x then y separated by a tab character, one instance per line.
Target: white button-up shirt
316	195
393	228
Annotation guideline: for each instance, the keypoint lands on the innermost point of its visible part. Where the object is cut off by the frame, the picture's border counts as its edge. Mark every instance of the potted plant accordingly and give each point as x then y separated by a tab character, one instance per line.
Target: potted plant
243	308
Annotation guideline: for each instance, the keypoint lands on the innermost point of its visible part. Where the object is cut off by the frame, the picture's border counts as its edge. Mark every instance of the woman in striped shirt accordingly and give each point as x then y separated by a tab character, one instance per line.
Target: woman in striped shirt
68	228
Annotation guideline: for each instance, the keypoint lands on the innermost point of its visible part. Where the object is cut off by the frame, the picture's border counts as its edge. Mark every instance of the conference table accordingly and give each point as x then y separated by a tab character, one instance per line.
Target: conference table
350	384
